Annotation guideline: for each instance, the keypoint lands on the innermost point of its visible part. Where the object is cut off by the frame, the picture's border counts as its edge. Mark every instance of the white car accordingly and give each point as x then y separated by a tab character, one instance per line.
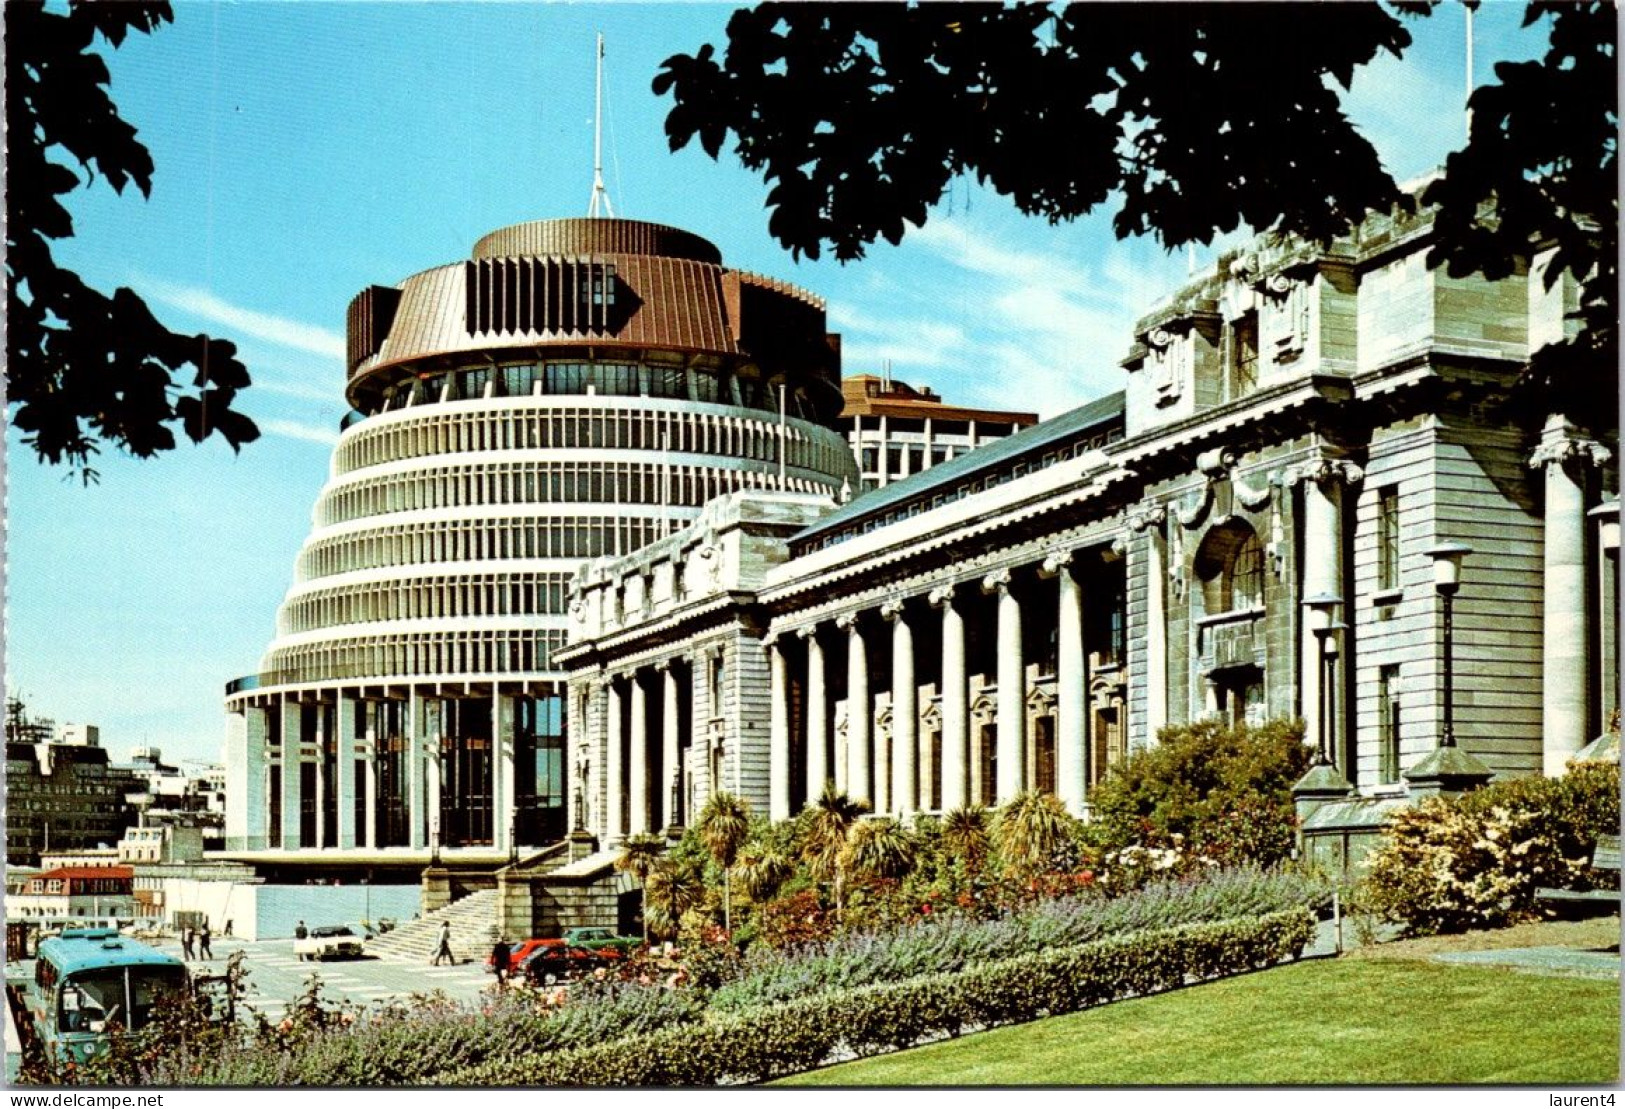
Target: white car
331	941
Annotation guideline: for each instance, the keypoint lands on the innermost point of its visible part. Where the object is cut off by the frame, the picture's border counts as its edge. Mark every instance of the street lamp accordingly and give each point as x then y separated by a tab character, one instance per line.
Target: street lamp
1322	606
1447	559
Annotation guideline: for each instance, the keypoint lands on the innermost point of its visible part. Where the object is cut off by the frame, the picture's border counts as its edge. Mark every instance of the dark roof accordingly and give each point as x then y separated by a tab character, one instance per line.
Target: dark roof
996	455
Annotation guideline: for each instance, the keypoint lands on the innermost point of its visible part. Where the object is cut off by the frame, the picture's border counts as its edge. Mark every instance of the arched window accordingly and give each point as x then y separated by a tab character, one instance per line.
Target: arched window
1230	566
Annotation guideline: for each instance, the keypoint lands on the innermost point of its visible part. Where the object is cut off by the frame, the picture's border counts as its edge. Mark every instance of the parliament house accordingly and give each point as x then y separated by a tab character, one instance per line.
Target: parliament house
594	546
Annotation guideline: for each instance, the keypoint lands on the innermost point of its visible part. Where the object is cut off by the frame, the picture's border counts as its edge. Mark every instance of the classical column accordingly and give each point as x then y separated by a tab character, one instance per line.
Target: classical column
817	715
637	786
434	766
1323	541
859	711
1012	693
367	836
504	800
778	732
291	761
1148	518
323	786
416	818
1564	454
344	768
905	713
671	744
614	784
955	734
247	735
1071	685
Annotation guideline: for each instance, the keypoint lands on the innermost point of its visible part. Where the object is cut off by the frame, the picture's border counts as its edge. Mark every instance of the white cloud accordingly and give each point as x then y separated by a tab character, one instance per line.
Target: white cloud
261	325
292	429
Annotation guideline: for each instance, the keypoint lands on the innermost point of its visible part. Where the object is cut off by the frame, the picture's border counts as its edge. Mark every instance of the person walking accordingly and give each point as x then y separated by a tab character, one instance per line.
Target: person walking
443	949
299	932
500	954
186	944
203	942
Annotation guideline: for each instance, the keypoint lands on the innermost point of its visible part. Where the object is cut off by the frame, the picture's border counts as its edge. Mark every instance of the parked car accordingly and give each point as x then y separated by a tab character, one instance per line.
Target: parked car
519	952
602	940
554	962
329	941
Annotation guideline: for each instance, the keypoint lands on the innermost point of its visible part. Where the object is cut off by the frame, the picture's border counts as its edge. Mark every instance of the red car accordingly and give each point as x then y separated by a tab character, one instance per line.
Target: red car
519	952
555	962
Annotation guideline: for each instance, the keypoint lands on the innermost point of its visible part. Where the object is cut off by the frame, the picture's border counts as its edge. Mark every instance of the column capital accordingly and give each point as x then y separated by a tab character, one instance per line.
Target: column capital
1147	514
1055	562
847	621
1561	443
942	596
996	581
1324	471
807	631
892	610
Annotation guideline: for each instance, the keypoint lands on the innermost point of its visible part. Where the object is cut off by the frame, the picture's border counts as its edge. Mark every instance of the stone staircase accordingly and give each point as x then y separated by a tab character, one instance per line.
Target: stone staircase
471	917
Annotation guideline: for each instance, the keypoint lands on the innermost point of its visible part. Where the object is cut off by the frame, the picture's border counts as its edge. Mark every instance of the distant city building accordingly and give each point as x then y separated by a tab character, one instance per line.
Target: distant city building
576	388
75	893
192	797
1303	434
65	797
78	735
896	429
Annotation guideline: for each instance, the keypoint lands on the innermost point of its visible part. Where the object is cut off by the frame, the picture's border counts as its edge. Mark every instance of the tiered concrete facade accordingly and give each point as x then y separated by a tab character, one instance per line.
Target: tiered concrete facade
1297	423
577	388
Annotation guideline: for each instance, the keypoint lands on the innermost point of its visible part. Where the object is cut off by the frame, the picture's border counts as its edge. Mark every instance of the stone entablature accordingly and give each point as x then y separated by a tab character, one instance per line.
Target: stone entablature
728	549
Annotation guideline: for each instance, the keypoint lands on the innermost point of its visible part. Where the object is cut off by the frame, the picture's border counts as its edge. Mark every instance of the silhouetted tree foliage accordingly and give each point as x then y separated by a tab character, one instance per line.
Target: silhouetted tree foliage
1203	117
862	114
83	367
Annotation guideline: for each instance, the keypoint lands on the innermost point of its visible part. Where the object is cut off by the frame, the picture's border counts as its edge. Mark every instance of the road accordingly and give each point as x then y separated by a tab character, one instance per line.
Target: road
276	976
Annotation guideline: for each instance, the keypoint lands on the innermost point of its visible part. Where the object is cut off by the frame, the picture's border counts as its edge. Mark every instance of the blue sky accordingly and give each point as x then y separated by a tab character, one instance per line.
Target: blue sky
307	150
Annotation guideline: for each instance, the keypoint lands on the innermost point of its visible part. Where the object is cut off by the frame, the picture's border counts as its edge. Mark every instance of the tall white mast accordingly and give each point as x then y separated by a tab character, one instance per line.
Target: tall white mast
1469	9
599	192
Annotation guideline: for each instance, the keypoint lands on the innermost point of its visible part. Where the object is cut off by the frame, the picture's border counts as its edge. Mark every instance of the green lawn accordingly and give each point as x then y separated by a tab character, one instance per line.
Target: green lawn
1341	1023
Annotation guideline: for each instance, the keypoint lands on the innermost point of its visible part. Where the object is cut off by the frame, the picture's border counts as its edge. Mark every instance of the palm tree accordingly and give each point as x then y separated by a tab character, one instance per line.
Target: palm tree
671	890
763	868
965	835
823	843
639	857
1030	829
879	848
723	826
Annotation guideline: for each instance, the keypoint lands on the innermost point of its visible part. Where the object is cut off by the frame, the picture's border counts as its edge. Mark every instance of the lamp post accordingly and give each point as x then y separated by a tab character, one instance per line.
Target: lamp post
1447	559
1321	608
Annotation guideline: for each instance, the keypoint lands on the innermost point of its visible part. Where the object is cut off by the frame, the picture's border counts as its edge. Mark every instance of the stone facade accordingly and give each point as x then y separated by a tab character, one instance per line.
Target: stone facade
1297	423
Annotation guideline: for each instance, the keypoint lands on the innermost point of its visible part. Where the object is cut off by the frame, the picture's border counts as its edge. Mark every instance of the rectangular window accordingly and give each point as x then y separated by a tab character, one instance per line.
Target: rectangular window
1388	723
1244	355
1388	538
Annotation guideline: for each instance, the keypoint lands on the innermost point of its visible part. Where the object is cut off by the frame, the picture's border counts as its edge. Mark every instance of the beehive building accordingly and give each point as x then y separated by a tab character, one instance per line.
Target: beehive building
577	388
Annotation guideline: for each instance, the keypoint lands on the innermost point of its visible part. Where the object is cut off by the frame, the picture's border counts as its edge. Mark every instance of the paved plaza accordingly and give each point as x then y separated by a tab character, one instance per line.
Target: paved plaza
276	976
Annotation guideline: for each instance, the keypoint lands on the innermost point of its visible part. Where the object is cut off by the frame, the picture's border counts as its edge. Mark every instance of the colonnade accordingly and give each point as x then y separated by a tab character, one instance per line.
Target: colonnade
369	761
647	777
892	769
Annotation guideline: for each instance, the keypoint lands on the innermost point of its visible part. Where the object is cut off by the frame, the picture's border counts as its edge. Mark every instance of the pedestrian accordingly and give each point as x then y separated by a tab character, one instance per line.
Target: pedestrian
203	942
186	944
443	948
227	932
499	962
299	932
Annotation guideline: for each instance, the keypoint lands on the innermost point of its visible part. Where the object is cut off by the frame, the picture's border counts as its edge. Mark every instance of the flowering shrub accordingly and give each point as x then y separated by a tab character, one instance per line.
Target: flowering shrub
404	1045
768	1042
1205	794
1475	861
951	941
795	920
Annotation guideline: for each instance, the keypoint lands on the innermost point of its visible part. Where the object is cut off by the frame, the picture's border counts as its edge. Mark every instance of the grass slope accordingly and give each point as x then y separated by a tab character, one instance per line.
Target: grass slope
1323	1022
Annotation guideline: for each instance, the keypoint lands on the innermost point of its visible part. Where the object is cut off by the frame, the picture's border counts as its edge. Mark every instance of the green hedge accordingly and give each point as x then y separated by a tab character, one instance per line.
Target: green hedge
762	1044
